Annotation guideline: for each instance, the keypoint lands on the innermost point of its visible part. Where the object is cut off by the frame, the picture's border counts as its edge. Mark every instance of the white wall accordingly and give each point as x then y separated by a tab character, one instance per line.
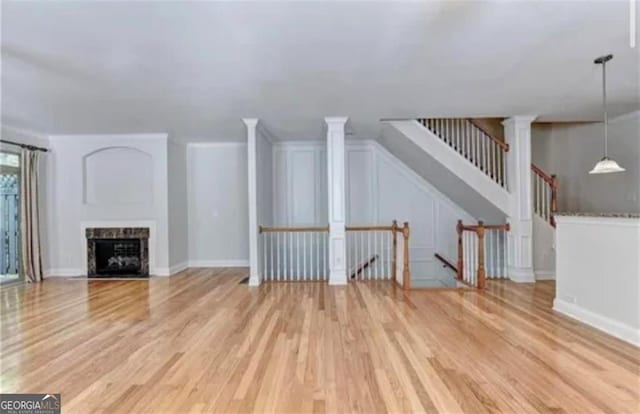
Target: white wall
598	273
218	204
571	150
178	206
380	189
300	183
96	180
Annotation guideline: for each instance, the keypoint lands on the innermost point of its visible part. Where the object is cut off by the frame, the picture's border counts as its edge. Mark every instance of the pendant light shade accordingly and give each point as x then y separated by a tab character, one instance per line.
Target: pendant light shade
606	165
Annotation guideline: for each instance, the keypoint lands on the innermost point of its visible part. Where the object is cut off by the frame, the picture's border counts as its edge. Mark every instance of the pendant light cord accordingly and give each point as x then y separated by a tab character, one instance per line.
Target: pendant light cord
604	105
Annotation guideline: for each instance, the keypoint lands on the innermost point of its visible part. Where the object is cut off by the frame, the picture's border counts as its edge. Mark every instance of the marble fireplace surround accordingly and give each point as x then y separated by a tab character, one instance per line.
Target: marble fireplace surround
130	233
113	226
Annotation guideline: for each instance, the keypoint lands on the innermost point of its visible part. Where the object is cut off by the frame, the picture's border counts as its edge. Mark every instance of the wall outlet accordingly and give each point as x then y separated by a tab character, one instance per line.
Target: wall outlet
569	298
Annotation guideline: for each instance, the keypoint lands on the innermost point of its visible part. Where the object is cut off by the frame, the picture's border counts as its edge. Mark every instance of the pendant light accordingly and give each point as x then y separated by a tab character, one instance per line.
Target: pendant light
605	165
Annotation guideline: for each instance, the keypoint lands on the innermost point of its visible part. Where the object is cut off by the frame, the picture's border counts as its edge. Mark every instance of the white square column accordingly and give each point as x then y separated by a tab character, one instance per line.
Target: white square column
517	133
252	173
337	205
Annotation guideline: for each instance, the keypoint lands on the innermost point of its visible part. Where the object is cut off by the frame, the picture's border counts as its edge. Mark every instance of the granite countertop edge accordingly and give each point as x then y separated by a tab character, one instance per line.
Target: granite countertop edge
598	214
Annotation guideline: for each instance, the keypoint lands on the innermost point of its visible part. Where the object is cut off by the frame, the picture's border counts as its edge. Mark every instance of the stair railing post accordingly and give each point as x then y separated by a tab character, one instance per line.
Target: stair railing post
394	235
481	272
460	259
406	275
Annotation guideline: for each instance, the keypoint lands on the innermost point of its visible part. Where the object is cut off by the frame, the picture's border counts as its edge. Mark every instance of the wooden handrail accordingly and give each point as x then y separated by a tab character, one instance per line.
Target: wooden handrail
309	229
475	228
446	262
552	181
369	228
540	173
500	143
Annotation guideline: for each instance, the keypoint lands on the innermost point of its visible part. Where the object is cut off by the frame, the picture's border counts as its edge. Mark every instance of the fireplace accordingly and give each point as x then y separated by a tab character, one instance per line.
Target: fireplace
118	252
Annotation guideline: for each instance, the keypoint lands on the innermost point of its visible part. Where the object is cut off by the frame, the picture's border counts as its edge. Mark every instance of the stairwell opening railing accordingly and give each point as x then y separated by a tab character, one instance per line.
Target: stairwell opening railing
378	252
468	139
482	253
294	254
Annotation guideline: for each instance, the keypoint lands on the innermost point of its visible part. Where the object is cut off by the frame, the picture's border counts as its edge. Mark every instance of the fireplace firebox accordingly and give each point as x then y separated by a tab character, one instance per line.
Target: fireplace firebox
118	252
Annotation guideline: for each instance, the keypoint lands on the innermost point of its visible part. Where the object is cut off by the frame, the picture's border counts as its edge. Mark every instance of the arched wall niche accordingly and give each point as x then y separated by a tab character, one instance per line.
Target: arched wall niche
117	175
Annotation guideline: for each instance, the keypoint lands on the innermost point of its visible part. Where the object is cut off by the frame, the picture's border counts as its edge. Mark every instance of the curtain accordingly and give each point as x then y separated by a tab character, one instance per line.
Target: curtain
29	219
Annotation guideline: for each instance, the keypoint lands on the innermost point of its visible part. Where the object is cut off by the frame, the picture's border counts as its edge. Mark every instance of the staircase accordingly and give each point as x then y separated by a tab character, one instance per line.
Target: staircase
459	158
469	165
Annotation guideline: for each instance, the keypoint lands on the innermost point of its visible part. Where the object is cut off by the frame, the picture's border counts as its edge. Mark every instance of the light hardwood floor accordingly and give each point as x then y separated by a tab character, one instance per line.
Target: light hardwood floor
199	342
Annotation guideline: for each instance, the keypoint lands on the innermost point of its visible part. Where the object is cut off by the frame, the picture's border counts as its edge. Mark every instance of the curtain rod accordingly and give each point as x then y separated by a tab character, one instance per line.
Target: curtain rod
27	146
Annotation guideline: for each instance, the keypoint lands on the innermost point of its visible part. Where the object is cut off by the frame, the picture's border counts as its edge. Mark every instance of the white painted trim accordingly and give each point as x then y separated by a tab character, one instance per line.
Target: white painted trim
299	144
593	220
62	273
178	268
519	275
215	144
265	133
612	327
27	132
219	263
250	122
628	115
161	272
545	274
150	136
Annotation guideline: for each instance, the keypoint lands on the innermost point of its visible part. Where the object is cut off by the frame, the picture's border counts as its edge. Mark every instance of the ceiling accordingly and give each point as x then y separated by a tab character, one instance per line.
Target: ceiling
194	69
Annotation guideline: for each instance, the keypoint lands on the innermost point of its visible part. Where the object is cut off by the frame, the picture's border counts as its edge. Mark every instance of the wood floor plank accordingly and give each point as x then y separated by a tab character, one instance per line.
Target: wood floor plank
200	342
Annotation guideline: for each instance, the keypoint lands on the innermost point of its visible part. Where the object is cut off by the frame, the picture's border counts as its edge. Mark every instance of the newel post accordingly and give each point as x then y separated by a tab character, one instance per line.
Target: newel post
394	235
481	272
460	255
406	273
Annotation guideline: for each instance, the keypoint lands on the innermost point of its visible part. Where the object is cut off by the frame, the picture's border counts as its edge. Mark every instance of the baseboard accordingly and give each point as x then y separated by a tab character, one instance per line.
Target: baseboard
178	268
610	326
521	275
62	272
161	271
218	263
545	274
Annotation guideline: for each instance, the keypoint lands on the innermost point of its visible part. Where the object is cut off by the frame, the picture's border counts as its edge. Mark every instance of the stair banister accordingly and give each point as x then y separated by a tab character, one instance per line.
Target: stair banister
543	183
